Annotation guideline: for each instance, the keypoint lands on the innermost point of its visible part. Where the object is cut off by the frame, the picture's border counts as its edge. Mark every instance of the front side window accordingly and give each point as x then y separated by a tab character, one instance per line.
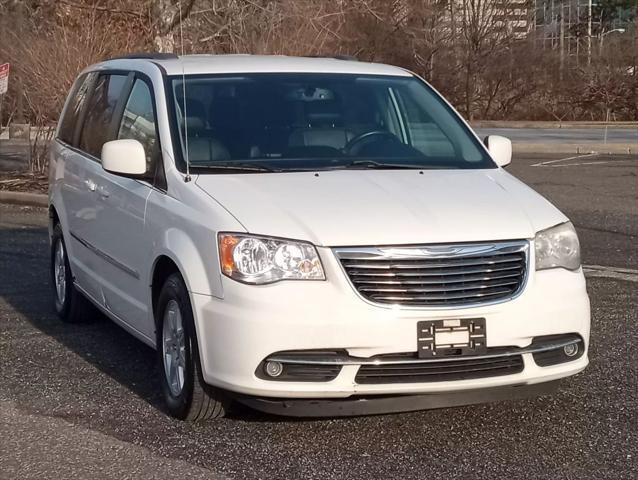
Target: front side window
285	122
138	121
100	107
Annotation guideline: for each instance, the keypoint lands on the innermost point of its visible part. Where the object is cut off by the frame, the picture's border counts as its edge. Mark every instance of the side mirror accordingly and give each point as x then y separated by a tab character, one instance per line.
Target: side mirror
500	149
124	157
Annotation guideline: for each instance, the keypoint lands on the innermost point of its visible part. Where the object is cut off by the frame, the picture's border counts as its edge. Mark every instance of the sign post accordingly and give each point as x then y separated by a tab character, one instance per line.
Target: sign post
4	85
4	78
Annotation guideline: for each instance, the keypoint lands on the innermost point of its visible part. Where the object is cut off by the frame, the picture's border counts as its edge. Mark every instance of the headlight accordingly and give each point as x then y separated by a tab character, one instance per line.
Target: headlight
557	247
260	260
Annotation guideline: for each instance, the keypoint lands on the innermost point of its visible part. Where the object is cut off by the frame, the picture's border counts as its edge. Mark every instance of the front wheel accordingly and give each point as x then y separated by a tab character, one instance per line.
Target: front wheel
70	305
186	394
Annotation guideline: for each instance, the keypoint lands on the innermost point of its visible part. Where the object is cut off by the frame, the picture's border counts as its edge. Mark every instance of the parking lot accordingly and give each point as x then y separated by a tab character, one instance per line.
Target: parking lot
81	401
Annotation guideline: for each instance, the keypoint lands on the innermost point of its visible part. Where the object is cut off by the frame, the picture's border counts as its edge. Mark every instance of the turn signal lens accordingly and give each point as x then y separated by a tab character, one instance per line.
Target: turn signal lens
260	260
226	245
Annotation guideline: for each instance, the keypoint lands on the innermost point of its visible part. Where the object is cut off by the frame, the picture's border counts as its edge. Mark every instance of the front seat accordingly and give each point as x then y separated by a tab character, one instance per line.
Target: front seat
324	127
203	149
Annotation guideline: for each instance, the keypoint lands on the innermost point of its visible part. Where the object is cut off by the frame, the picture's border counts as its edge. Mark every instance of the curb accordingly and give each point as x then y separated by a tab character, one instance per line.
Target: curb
23	198
551	124
575	148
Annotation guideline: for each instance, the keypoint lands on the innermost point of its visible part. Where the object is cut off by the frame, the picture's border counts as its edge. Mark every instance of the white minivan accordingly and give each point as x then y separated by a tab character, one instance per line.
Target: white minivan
309	237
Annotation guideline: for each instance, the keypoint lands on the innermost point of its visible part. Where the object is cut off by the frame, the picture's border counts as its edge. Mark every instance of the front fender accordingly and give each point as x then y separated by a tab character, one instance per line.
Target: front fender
200	272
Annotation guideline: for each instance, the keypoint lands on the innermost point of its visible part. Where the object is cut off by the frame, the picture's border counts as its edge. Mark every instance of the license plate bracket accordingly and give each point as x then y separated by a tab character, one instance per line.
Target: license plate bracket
451	337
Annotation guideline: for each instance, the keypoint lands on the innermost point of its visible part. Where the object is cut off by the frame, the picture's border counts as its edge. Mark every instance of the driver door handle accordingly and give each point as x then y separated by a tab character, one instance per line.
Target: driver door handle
90	184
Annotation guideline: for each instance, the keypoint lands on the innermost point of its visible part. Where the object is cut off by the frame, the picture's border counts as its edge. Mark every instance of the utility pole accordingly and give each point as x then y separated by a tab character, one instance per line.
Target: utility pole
562	41
589	32
19	18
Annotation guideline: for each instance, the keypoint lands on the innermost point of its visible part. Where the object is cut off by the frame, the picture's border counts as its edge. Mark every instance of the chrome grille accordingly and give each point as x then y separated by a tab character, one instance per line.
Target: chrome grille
437	275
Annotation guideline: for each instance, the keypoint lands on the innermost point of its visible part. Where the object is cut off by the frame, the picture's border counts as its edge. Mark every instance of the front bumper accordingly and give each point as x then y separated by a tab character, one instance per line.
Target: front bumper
382	404
251	323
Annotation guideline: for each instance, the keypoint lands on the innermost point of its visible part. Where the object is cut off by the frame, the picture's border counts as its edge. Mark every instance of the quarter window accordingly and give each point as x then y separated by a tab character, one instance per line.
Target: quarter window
138	121
100	107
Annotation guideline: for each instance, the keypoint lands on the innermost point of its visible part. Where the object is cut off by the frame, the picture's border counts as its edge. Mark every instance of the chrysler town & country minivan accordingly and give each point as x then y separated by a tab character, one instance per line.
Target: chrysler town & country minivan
308	236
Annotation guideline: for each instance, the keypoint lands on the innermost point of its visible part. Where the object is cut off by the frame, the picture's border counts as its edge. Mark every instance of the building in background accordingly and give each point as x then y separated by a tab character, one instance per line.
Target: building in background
579	27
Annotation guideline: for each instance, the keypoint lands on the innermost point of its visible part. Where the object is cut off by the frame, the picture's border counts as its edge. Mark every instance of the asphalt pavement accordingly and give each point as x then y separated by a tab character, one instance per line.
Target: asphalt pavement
81	401
14	155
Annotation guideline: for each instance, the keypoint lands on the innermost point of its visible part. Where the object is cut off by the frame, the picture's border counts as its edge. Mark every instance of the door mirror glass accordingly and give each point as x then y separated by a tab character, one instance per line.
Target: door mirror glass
124	157
500	149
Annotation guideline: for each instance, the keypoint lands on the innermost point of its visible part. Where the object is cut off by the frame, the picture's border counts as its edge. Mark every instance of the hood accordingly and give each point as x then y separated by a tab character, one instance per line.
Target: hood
384	207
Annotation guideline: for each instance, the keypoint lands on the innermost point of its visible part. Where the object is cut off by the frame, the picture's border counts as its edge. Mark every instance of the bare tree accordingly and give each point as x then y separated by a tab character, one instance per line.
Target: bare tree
467	48
166	15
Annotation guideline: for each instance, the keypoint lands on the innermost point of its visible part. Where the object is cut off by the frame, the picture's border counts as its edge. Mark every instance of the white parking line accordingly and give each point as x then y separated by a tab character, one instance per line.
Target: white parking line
602	162
617	273
556	164
550	162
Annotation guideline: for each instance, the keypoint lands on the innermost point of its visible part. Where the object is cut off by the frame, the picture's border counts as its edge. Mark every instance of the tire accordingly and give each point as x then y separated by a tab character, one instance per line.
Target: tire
70	305
186	395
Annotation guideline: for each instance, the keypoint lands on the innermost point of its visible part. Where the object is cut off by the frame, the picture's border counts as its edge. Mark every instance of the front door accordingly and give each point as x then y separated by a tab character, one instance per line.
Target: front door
121	234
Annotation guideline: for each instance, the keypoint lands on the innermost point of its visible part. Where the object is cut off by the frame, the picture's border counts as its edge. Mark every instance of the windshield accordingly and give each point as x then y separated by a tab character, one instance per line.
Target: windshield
292	122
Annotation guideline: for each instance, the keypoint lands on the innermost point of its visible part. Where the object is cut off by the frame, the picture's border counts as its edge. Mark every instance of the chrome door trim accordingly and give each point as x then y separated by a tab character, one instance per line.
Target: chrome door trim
105	256
442	250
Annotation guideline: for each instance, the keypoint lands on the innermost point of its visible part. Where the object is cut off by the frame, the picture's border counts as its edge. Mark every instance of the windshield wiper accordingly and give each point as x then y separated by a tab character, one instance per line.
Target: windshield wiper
240	167
388	165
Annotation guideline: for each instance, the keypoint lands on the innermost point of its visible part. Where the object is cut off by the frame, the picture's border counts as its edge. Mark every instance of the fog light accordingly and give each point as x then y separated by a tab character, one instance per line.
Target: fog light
571	349
273	369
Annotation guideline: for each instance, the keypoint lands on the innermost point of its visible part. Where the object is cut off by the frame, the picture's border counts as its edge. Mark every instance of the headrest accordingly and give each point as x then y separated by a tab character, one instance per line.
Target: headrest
323	113
194	108
194	124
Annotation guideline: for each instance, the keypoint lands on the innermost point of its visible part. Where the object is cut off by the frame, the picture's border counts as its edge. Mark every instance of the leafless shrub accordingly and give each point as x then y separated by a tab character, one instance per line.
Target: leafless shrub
48	60
465	48
40	148
285	27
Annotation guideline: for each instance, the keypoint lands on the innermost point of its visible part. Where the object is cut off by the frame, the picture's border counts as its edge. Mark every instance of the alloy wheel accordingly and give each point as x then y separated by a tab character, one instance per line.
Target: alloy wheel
174	348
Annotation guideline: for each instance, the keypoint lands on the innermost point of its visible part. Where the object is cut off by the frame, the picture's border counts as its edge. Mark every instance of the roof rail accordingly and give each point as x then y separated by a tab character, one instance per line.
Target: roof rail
146	55
350	58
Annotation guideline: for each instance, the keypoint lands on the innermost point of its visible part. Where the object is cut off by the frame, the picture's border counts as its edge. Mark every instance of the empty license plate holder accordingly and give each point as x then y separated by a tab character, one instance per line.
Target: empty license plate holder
452	337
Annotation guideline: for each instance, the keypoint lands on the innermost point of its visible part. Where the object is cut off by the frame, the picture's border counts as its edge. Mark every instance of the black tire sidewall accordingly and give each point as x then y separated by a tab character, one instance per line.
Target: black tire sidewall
174	289
62	309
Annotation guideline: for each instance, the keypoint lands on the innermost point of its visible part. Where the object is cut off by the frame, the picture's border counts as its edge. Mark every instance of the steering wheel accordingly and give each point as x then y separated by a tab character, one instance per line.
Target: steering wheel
366	137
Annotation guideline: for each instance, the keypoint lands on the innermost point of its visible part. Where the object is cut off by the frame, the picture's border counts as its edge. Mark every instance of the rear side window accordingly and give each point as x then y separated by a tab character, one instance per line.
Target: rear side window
100	107
77	97
138	121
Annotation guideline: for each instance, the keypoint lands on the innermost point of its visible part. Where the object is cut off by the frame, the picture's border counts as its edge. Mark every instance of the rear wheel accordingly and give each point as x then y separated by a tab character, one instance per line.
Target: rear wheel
186	394
70	305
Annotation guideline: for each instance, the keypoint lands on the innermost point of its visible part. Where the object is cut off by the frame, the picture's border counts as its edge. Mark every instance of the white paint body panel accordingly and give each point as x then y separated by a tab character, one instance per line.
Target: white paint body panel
223	64
381	207
500	148
239	325
251	322
125	157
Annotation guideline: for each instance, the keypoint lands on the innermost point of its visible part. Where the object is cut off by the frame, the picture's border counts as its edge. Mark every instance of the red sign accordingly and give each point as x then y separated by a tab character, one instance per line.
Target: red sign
4	78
